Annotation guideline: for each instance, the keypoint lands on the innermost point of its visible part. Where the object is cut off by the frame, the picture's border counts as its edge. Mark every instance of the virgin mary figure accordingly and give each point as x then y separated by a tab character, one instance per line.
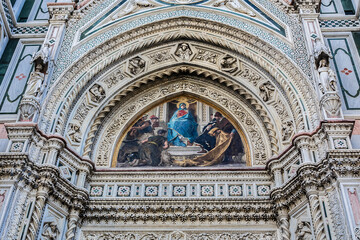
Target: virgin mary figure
182	127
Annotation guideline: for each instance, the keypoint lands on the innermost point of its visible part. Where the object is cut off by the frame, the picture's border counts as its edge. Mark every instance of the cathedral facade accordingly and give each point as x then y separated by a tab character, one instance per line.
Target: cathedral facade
180	119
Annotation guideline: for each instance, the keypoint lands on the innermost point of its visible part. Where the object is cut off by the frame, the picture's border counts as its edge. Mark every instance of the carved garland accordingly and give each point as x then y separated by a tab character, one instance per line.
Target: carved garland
74	71
129	109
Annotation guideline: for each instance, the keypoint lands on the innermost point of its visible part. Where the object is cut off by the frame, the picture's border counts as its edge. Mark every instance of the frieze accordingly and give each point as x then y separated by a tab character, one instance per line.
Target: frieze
179	235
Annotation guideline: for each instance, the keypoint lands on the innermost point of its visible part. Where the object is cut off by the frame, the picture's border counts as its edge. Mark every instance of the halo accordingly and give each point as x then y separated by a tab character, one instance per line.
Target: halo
184	102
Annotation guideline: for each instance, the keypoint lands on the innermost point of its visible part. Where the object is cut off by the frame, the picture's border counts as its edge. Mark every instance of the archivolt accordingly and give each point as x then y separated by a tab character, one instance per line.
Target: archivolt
294	83
212	78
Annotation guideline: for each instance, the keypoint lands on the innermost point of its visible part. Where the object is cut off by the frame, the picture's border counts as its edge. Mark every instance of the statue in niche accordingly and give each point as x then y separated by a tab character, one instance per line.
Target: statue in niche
97	93
320	50
74	133
183	51
35	86
327	77
50	231
266	91
42	56
303	231
133	6
136	65
235	6
229	64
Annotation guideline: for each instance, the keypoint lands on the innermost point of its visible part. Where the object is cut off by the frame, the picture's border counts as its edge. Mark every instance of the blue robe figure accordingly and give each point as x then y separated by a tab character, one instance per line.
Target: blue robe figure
182	127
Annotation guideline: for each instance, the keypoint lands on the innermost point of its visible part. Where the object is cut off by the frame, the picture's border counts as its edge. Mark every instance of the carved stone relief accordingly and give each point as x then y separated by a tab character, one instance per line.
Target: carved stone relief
184	51
179	235
74	70
229	64
114	78
207	56
136	65
160	56
303	231
253	77
50	231
337	215
82	111
97	93
234	5
266	91
74	133
133	6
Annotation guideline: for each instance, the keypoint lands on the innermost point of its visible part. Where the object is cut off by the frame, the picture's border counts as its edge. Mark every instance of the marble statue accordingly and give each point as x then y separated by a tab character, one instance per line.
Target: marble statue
35	86
42	56
327	77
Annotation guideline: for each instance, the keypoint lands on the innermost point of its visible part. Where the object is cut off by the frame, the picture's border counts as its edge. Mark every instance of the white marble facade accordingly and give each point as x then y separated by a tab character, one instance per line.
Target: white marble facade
78	77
